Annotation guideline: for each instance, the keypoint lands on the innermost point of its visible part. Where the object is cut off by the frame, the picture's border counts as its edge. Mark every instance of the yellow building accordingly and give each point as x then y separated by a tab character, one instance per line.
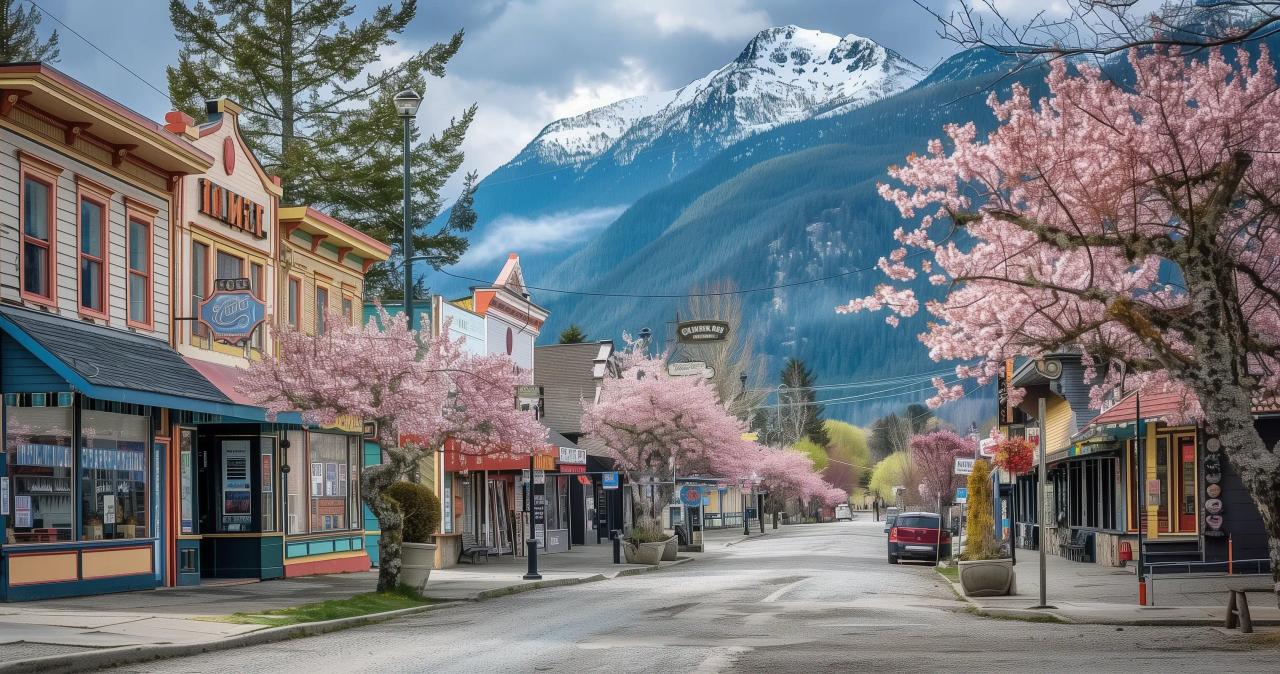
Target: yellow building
322	263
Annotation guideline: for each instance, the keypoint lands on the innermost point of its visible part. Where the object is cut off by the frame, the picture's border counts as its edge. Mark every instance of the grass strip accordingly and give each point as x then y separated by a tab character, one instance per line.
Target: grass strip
949	572
332	609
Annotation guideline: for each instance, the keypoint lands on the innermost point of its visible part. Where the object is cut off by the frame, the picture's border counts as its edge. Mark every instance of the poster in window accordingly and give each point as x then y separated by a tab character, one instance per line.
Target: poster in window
22	512
317	479
268	475
4	496
342	479
330	479
236	503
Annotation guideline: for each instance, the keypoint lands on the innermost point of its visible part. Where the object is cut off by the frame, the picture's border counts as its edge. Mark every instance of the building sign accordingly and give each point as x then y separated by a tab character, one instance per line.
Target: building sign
231	209
964	466
962	495
987	447
572	468
573	455
692	332
459	458
691	495
232	315
609	481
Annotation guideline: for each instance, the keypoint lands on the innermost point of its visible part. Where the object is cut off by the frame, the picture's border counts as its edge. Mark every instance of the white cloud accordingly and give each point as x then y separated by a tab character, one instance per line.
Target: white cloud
545	233
631	80
721	20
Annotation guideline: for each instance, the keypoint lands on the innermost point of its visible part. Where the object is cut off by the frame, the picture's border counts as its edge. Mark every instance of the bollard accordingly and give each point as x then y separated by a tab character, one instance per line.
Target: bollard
617	546
533	574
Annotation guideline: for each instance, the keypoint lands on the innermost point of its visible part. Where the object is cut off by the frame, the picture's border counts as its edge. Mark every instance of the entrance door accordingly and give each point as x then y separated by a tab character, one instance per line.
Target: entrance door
1186	483
1163	475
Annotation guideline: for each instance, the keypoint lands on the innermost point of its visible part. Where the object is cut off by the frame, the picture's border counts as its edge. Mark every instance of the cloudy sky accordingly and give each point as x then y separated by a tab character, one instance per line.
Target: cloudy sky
525	62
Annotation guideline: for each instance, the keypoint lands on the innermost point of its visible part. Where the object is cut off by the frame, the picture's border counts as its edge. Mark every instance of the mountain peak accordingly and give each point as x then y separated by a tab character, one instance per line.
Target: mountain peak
784	74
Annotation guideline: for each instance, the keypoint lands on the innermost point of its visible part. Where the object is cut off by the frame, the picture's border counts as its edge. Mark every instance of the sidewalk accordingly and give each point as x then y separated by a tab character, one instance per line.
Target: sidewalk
1090	593
180	616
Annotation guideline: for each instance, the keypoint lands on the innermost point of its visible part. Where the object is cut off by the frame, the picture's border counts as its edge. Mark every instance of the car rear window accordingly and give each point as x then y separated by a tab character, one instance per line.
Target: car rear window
917	521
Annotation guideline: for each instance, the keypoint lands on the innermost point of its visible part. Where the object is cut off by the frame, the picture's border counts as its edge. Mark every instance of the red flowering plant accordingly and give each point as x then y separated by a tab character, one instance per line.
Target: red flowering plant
1014	455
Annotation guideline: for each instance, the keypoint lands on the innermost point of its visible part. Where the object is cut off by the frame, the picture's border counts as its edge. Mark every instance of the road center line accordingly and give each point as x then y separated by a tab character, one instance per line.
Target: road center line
781	591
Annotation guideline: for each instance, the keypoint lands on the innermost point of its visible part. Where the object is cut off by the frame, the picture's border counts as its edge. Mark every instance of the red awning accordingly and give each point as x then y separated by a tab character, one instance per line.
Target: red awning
584	480
1164	406
225	377
458	457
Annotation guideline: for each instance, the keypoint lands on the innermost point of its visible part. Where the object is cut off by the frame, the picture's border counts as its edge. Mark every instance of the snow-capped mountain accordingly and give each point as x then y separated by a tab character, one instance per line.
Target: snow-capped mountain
783	75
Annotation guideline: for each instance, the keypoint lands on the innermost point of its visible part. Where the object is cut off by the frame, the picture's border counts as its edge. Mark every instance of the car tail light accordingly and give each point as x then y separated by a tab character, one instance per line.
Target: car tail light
893	535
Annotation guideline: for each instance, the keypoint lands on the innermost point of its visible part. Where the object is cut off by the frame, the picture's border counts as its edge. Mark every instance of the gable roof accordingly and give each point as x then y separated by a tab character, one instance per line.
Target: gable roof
568	376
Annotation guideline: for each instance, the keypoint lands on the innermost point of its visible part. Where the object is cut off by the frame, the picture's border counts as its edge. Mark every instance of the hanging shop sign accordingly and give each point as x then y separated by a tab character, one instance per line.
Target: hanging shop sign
987	447
694	368
691	495
694	332
232	315
232	209
573	455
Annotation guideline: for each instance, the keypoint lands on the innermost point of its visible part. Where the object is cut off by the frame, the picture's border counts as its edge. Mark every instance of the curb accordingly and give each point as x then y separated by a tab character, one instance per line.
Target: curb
124	655
1052	616
743	539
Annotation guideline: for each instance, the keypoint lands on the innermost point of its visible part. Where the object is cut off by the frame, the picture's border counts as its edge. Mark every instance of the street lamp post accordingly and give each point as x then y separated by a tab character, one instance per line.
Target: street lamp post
407	103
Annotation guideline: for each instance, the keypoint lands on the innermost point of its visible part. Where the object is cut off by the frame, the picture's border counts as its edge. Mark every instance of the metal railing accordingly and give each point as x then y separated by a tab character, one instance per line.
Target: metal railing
1184	571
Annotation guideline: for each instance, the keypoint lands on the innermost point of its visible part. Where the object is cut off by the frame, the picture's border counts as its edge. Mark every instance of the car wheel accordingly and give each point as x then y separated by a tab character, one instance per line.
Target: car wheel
892	559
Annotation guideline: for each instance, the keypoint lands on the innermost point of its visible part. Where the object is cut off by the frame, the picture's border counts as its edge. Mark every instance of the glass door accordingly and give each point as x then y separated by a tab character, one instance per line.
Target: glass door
1186	484
1163	475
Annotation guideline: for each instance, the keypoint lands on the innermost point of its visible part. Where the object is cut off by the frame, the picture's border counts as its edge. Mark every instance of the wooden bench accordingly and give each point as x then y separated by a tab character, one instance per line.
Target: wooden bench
1238	611
473	555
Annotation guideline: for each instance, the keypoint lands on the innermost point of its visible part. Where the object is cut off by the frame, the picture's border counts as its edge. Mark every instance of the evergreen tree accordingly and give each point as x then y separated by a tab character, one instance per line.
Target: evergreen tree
335	140
18	39
572	335
801	415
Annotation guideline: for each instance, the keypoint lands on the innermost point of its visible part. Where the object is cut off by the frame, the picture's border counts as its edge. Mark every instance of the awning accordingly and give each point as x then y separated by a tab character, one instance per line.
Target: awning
226	378
106	364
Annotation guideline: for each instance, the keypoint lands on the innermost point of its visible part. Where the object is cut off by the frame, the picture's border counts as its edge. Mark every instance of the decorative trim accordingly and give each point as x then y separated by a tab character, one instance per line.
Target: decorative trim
134	204
316	240
73	130
343	251
40	163
9	98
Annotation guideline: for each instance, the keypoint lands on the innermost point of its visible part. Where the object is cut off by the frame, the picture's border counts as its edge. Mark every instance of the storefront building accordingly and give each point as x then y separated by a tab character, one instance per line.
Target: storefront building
91	384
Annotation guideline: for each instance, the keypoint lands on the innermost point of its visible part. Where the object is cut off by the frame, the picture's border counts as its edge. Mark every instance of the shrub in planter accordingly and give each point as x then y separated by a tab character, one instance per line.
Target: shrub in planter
982	572
421	511
645	542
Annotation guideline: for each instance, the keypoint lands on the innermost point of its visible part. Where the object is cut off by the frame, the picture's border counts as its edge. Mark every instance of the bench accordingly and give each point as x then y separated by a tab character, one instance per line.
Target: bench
474	555
1238	611
1076	548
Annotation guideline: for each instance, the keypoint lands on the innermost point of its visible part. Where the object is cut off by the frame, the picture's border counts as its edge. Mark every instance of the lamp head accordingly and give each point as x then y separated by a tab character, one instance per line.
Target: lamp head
407	103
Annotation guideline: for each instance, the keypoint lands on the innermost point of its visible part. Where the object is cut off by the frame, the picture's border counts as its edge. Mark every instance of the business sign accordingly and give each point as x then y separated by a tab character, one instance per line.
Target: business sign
232	315
609	481
962	495
694	332
573	455
232	210
964	466
691	495
987	447
694	368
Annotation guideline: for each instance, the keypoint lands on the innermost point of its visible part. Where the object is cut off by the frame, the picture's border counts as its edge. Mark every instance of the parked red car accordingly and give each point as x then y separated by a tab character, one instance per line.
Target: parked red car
917	536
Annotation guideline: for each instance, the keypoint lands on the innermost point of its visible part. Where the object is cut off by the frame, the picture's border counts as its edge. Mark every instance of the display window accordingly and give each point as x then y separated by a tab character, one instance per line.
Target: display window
38	442
323	482
113	470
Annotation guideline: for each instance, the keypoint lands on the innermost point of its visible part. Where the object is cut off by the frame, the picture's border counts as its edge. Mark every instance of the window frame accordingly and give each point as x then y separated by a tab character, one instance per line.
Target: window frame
99	196
349	303
47	174
198	329
258	279
319	318
133	215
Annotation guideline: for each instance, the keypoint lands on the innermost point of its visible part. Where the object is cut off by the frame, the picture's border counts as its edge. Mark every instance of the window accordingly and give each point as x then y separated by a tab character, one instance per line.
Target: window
255	284
139	284
295	302
268	491
229	266
186	476
38	236
93	255
322	308
113	470
39	449
323	482
299	475
348	311
199	290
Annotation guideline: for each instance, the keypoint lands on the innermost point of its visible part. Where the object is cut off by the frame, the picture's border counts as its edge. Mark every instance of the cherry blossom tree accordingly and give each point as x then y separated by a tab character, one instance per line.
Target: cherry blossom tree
934	456
1137	223
418	389
657	426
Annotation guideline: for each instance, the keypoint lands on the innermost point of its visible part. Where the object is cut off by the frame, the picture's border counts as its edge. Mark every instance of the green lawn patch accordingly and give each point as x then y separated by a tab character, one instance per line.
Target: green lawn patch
950	572
361	604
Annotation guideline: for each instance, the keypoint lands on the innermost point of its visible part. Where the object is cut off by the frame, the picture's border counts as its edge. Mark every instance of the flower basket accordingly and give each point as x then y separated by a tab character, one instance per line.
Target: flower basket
1015	455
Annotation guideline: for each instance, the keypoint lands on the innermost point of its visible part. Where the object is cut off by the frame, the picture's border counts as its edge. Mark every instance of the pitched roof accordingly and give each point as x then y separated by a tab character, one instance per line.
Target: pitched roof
566	373
1153	405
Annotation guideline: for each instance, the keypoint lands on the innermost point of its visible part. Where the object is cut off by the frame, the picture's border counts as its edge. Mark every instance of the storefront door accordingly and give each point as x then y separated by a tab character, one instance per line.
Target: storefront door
1186	483
1163	475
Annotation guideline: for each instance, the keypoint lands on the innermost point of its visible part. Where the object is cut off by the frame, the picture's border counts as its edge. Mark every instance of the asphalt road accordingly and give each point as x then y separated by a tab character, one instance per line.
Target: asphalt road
801	599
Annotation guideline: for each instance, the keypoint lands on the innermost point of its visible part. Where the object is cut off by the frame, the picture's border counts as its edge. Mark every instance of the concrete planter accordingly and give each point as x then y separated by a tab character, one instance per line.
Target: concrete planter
416	561
988	578
644	553
669	549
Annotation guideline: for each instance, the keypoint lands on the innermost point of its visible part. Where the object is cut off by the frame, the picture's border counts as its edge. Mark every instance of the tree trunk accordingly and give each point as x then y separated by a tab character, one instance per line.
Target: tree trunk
1220	377
374	481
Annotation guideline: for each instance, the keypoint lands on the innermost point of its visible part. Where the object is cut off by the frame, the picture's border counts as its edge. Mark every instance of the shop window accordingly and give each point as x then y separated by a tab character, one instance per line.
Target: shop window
39	447
113	469
93	256
268	483
139	283
229	266
38	236
348	311
199	290
330	456
186	478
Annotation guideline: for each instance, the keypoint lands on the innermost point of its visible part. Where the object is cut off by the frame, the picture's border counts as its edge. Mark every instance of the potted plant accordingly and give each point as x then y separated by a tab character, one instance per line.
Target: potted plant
983	573
645	543
421	510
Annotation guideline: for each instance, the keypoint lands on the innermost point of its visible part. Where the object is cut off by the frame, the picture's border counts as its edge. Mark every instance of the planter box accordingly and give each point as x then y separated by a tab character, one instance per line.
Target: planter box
988	578
645	553
416	561
670	548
